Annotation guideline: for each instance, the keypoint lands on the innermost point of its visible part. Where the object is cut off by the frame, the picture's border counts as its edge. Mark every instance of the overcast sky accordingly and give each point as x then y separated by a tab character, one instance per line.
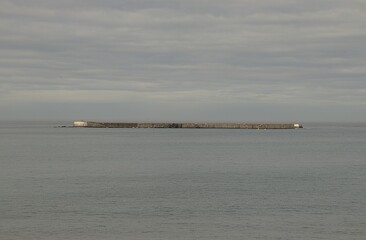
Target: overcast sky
183	60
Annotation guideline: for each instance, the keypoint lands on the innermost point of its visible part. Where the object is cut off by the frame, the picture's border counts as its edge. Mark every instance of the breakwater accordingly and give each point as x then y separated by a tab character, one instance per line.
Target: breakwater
88	124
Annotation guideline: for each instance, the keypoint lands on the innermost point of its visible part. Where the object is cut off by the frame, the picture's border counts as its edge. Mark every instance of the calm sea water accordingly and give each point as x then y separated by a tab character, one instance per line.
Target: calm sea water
74	183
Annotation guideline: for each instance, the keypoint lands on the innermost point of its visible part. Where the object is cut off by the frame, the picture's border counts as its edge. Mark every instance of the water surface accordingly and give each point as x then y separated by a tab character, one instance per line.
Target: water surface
76	183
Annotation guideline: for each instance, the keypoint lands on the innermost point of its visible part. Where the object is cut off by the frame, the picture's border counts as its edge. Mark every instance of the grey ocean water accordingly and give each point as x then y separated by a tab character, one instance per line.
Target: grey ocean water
67	183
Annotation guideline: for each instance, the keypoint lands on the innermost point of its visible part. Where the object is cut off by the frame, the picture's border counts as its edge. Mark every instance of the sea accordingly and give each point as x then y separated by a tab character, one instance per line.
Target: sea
136	184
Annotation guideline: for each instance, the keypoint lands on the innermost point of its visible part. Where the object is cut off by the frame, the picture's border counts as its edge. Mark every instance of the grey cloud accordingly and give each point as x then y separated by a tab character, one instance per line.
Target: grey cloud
305	53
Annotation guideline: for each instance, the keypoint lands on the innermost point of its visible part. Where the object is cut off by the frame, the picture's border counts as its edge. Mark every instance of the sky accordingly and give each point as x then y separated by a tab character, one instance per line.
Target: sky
183	60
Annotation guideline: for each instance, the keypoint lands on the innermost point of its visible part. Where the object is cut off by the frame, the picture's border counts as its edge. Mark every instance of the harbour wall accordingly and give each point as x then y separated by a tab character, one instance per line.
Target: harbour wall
187	125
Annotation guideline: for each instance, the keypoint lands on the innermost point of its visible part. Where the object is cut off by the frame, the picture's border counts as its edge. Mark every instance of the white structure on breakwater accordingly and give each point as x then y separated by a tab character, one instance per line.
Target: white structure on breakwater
80	124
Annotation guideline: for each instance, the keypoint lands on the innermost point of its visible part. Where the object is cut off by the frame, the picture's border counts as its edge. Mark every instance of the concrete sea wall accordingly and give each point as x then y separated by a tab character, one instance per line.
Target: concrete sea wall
187	125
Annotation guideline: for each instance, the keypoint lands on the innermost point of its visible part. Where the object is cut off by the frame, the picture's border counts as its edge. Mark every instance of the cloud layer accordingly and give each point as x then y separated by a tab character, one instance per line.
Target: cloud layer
233	53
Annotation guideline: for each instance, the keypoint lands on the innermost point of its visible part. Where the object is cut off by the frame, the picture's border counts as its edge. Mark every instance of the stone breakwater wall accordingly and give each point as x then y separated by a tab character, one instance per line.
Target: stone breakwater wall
188	125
